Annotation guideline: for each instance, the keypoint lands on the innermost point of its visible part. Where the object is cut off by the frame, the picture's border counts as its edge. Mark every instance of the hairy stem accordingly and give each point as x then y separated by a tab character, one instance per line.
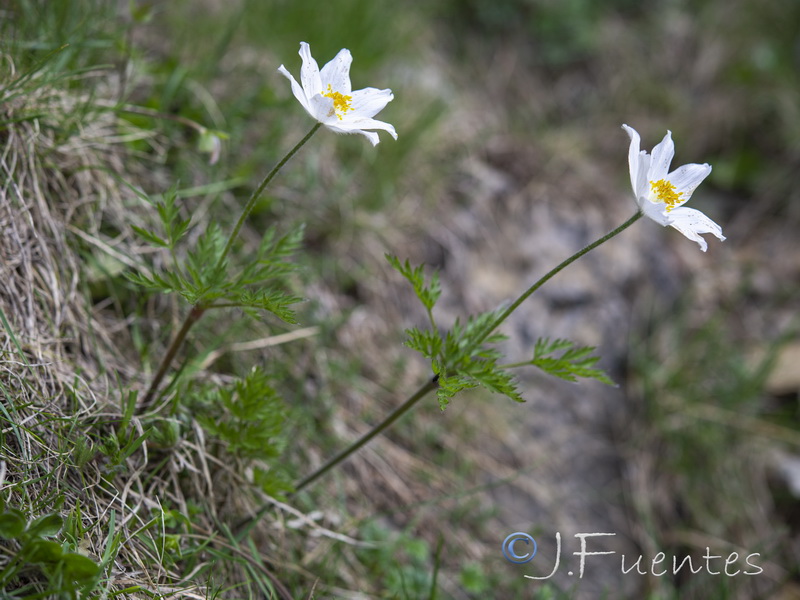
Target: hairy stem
193	316
382	426
255	195
243	528
553	272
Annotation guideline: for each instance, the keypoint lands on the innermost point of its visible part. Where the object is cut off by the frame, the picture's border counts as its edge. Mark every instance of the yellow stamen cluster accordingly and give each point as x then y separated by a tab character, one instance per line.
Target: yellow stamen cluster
665	192
341	103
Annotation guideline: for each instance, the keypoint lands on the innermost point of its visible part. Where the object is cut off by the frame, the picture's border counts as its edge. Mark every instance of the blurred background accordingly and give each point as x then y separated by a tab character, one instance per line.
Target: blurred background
510	158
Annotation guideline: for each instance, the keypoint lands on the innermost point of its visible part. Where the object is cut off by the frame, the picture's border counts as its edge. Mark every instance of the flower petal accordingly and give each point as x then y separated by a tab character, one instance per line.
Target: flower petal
692	223
296	90
357	124
687	178
337	72
638	163
370	101
633	156
662	157
309	72
656	211
321	108
371	136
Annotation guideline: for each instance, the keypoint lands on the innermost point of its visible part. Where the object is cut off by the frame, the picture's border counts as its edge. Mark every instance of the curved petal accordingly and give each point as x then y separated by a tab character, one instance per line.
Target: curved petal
370	101
338	128
359	127
692	223
337	72
662	157
296	90
372	137
309	72
633	156
687	178
638	164
354	124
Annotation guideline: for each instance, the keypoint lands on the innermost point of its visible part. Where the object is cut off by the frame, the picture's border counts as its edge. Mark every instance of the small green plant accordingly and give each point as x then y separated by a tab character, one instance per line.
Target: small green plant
118	447
400	564
248	418
204	280
68	573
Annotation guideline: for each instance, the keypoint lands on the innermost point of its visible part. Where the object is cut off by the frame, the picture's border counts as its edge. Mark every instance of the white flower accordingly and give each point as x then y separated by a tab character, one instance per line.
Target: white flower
661	195
327	96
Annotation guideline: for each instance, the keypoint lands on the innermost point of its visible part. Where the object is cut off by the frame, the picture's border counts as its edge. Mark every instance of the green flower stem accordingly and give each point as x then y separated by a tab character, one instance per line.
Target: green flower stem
553	272
431	385
252	201
243	528
396	414
199	308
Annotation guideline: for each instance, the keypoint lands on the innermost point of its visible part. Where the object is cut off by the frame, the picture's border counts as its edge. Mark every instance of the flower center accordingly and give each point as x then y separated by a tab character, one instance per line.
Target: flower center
341	103
665	192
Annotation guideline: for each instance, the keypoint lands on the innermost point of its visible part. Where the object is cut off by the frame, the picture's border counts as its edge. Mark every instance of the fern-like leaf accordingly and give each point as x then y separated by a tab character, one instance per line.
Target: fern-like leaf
428	294
275	302
572	362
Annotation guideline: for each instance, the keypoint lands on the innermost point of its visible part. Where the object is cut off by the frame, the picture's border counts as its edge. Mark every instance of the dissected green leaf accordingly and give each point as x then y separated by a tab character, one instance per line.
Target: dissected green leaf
166	282
271	262
428	294
169	213
427	343
449	387
493	378
174	226
151	237
274	302
252	421
573	362
464	358
468	340
202	263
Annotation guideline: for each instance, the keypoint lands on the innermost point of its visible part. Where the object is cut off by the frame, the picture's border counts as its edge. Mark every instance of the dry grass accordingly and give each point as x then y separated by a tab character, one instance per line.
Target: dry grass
70	443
